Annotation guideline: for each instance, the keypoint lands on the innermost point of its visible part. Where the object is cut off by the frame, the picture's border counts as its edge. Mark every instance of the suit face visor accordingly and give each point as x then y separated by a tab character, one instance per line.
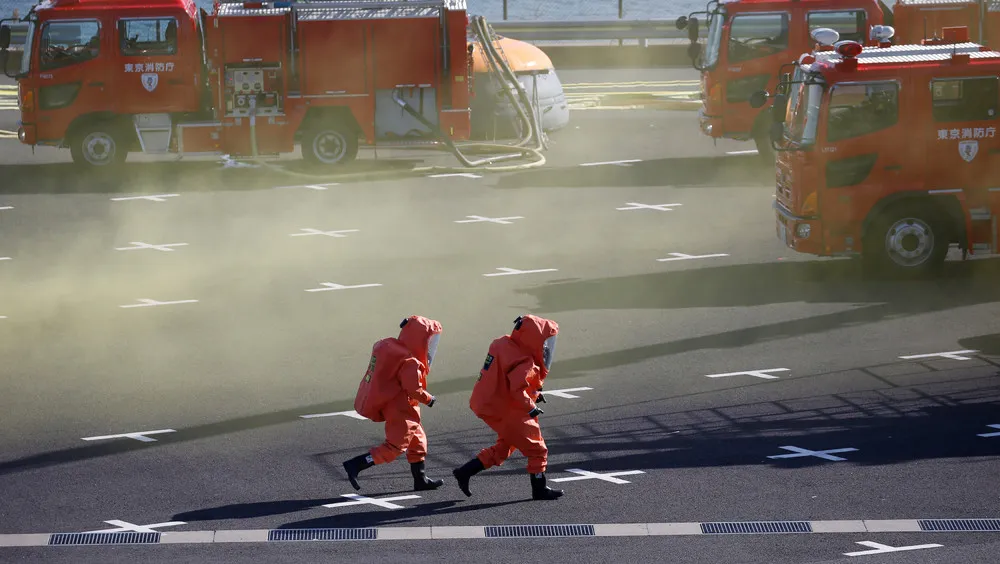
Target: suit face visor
549	351
432	347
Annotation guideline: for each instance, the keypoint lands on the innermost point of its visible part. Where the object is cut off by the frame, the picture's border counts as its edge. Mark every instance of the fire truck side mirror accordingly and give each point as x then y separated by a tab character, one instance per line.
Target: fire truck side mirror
681	22
4	37
758	99
693	30
779	107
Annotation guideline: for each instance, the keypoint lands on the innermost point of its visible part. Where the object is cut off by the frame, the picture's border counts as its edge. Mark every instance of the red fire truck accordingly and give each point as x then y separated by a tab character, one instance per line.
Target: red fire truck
748	42
106	77
889	153
916	20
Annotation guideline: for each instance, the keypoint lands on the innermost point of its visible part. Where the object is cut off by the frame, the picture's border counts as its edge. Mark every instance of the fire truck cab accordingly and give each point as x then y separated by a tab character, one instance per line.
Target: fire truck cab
748	41
890	153
251	79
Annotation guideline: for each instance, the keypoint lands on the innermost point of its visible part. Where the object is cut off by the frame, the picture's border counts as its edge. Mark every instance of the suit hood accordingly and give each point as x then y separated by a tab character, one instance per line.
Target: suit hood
416	333
531	334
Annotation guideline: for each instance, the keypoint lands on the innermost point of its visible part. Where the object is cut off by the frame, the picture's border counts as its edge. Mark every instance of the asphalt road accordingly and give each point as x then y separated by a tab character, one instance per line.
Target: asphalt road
648	348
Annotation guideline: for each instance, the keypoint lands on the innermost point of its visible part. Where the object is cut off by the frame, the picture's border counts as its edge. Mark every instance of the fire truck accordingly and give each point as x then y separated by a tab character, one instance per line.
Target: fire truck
748	42
889	152
917	20
108	77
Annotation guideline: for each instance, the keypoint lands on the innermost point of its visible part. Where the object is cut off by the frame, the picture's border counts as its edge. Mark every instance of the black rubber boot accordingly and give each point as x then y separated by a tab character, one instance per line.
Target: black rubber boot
420	481
540	491
466	472
355	465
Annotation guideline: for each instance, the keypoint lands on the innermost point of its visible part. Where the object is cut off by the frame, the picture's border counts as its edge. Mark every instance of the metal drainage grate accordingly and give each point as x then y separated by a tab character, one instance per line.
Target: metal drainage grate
756	527
964	525
520	531
321	534
63	539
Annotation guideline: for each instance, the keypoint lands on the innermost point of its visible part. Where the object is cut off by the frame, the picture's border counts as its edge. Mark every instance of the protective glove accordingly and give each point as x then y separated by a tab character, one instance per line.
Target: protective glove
431	403
535	412
541	398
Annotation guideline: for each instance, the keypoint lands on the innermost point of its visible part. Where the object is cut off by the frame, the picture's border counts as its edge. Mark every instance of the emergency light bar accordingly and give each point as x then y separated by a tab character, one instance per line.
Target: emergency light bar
825	36
849	49
882	33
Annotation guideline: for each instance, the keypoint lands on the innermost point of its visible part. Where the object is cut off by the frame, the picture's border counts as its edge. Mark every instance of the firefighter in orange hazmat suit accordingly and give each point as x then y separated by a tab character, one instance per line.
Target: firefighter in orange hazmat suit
505	397
392	389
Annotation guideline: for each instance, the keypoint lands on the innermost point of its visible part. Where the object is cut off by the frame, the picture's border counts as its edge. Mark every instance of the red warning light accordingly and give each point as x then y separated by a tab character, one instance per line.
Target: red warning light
849	49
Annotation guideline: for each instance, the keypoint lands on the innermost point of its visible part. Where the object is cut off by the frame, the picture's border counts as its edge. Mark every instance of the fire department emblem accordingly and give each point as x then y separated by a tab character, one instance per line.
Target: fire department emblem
968	150
150	80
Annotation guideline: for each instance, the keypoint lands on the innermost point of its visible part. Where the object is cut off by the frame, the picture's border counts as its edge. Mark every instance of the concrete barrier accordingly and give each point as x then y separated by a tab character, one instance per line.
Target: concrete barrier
608	56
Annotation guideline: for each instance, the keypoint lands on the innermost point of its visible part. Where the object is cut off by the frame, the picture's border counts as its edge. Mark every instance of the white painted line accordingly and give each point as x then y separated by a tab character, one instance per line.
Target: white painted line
328	286
479	219
991	434
883	549
513	271
140	245
564	393
3	317
253	535
141	436
404	533
122	526
5	258
626	162
824	454
747	152
662	529
25	540
660	207
156	198
954	355
363	500
458	532
682	256
187	537
609	477
311	231
994	189
755	373
6	208
948	191
893	526
464	174
621	530
351	413
146	302
309	186
839	527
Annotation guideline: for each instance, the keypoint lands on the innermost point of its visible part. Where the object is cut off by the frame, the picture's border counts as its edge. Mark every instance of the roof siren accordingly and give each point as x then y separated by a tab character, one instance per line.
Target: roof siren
825	38
883	34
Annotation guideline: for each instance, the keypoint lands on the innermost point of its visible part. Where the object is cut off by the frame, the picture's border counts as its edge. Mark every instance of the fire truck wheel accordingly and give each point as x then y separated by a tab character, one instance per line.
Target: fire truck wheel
330	145
907	240
98	146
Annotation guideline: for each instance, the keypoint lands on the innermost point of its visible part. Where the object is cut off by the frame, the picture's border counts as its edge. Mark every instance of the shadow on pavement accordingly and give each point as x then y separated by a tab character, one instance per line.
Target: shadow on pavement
985	344
409	514
196	176
694	171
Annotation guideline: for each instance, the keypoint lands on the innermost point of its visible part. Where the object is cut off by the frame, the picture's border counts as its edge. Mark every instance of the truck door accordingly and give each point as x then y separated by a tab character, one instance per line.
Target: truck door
157	58
866	154
758	43
72	74
964	151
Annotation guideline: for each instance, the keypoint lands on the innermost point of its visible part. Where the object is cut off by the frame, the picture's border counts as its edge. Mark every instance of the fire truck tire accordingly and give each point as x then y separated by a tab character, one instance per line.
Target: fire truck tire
98	145
330	144
907	240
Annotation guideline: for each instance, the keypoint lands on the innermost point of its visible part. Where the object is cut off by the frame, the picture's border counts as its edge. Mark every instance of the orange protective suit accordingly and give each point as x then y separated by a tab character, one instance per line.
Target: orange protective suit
508	387
394	386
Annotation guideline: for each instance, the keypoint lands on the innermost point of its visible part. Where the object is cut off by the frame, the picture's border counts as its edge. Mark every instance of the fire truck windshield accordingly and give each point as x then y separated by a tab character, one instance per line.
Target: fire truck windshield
802	115
714	40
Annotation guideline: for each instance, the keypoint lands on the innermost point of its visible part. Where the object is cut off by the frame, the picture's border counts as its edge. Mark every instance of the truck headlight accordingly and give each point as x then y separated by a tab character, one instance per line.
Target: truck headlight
803	230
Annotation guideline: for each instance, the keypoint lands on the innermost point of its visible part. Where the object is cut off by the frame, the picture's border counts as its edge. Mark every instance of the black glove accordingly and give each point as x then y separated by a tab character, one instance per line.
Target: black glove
535	412
431	403
541	399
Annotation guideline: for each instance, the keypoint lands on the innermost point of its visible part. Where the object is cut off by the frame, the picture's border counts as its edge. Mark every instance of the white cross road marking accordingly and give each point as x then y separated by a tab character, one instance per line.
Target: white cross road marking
882	548
156	198
465	174
479	218
991	434
350	413
954	355
311	231
564	393
140	245
141	436
682	256
755	373
513	271
617	163
131	527
609	477
146	302
660	207
362	500
824	454
310	186
328	286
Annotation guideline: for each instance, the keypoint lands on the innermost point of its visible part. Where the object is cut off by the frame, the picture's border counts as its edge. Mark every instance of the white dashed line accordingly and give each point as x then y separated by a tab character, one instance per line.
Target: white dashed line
513	271
140	436
747	152
462	174
659	207
5	258
146	302
2	208
330	286
154	198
